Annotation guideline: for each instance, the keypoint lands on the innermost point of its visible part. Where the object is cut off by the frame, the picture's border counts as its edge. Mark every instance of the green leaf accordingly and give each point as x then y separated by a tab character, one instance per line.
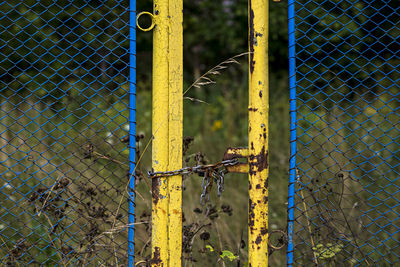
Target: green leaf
227	254
210	248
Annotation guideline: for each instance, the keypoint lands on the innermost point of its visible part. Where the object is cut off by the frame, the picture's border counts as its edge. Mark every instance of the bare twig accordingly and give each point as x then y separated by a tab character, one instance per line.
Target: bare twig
48	195
52	242
101	156
315	258
144	246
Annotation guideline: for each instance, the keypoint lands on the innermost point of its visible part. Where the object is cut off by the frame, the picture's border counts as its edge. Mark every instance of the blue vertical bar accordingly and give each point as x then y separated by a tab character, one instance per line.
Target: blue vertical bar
293	129
132	130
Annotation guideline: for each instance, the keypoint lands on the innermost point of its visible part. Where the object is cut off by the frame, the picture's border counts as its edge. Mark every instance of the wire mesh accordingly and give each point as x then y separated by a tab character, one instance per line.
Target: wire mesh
347	171
66	80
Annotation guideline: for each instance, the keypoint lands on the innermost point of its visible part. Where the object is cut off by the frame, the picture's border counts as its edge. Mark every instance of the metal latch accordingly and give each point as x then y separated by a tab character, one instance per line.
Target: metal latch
237	153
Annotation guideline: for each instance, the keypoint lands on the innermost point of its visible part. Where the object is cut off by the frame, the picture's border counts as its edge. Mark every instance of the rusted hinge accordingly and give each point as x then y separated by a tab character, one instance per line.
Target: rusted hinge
237	153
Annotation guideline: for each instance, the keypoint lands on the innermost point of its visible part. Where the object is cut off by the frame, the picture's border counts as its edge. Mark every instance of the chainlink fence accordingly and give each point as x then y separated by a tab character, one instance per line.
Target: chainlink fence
346	201
66	78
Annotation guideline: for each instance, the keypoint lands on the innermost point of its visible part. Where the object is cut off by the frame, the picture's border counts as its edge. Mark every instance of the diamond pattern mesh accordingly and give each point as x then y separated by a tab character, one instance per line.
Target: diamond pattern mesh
347	196
64	70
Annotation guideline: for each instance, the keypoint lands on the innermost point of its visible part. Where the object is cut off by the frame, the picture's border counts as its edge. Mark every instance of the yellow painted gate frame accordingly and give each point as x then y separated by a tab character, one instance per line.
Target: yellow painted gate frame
167	19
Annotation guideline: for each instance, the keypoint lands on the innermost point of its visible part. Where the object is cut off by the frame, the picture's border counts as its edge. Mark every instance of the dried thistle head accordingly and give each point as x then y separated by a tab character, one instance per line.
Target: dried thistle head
187	140
88	151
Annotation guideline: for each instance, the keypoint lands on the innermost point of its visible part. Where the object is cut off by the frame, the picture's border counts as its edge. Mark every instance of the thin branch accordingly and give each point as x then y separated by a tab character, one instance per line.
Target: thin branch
52	241
48	195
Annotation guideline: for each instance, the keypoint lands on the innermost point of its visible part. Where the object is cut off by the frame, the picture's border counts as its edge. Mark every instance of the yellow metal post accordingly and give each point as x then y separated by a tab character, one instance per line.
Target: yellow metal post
167	132
160	153
175	130
258	133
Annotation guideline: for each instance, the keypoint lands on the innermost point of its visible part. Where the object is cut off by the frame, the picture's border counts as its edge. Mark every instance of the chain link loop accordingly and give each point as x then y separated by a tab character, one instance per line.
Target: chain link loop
210	173
199	169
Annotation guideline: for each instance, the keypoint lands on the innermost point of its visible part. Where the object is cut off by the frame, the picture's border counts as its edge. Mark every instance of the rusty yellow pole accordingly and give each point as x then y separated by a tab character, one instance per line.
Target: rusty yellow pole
159	237
258	133
167	132
175	130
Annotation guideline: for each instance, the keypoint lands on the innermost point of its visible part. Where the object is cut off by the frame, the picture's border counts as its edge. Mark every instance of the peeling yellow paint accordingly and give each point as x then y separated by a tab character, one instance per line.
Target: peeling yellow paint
175	131
258	133
167	132
160	153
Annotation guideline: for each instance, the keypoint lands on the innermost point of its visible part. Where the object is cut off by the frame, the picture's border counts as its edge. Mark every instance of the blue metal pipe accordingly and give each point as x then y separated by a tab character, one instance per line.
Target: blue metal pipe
132	131
293	130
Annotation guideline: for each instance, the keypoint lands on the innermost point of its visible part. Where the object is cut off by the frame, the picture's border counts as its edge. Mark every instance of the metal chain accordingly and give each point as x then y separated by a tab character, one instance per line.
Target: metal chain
199	169
210	173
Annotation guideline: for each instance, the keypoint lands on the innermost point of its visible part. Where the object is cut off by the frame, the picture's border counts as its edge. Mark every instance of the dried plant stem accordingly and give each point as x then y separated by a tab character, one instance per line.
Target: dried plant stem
114	249
309	227
144	246
48	196
101	156
219	242
142	197
195	100
52	242
5	243
140	262
205	78
127	185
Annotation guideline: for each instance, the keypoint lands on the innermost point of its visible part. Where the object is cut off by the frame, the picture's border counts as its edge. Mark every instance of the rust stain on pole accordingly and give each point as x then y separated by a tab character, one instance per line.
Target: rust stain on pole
258	133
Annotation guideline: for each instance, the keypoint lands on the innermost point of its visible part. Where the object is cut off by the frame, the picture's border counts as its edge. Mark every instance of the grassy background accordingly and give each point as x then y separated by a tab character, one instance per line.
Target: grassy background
64	98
